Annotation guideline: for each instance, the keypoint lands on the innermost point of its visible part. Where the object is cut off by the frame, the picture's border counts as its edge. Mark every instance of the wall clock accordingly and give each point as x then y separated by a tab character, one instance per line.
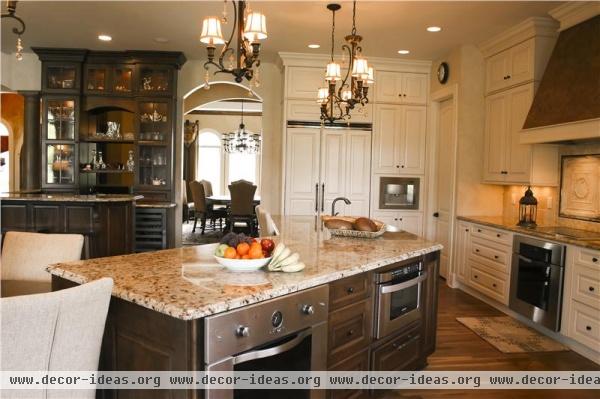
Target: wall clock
443	72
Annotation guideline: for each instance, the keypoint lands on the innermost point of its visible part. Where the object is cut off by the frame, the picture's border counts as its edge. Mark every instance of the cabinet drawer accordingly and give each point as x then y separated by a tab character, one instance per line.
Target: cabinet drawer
349	331
489	284
586	285
400	353
588	257
585	325
359	362
494	255
495	235
349	290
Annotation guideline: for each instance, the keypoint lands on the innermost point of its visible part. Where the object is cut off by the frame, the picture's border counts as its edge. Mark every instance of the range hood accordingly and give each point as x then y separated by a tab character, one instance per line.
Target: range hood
566	106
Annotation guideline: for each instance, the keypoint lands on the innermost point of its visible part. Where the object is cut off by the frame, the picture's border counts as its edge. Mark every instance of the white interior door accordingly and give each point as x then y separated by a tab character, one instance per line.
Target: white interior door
445	181
302	171
333	167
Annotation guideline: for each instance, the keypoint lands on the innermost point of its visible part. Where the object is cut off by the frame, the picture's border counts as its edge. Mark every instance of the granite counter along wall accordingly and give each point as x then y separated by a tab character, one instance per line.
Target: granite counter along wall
550	196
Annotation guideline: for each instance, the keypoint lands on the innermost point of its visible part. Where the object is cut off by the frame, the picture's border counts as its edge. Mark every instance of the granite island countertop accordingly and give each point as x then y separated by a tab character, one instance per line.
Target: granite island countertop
69	197
502	223
187	283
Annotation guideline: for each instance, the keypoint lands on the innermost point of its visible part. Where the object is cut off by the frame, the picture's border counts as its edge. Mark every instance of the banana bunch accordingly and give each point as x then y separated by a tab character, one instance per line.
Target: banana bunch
284	260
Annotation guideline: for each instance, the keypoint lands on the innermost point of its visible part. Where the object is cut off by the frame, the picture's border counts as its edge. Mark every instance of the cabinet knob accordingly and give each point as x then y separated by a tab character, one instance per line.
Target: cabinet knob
467	230
398	166
400	219
591	289
479	230
495	256
404	94
400	95
402	166
594	260
494	285
476	250
476	276
350	290
588	328
350	333
498	235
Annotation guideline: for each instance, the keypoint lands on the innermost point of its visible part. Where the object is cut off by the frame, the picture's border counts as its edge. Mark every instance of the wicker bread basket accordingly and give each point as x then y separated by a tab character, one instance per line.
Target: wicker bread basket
354	233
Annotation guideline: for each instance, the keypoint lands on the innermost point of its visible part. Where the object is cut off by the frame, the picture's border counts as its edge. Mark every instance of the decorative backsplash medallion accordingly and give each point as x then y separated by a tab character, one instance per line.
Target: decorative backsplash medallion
580	187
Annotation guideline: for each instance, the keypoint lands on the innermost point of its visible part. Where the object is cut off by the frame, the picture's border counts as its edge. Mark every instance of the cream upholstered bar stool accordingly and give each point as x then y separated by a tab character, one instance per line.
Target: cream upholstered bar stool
266	224
25	257
56	331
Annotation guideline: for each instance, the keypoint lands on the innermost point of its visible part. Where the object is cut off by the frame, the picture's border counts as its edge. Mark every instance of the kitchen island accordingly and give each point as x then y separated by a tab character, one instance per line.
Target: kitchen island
106	221
161	300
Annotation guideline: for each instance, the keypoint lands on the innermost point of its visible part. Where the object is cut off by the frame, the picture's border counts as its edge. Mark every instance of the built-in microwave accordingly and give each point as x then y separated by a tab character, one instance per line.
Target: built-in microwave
398	192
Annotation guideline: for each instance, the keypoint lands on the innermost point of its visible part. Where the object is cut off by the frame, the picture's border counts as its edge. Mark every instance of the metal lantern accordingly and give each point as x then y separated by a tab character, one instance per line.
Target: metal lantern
527	209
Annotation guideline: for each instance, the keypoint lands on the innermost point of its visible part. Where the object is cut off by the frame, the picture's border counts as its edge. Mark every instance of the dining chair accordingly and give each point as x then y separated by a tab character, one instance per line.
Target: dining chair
214	212
266	224
242	204
55	331
199	198
25	257
187	206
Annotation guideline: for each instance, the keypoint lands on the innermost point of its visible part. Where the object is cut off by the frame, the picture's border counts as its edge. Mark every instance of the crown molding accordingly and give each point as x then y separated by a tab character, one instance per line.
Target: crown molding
378	63
572	13
531	27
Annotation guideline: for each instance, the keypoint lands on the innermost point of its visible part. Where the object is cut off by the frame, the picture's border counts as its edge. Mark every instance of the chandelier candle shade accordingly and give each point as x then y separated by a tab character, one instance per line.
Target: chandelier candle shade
337	101
249	28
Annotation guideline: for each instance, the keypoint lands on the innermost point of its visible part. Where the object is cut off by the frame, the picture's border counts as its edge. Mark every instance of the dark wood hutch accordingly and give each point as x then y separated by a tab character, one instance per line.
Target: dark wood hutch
108	125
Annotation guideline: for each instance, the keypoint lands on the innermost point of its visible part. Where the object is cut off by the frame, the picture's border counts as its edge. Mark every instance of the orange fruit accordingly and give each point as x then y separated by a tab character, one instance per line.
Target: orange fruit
255	252
246	256
238	257
230	253
243	248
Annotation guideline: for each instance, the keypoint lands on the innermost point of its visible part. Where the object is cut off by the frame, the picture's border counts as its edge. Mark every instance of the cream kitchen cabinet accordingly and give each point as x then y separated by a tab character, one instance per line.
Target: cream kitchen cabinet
506	161
510	67
401	88
581	299
462	235
323	164
411	222
304	82
399	139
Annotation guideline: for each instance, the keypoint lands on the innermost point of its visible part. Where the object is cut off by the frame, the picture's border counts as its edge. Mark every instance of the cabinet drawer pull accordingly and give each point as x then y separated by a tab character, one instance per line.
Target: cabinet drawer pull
350	333
350	290
498	235
588	328
398	166
476	276
467	230
476	250
594	260
495	256
479	230
494	285
591	289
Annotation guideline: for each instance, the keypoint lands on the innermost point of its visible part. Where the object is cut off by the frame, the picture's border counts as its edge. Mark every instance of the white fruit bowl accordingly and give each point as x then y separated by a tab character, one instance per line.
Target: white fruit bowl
242	265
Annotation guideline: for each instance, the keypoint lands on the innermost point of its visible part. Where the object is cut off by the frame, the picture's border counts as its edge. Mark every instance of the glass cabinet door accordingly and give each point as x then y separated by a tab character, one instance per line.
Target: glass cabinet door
155	124
63	77
96	79
157	80
122	79
153	166
60	161
60	119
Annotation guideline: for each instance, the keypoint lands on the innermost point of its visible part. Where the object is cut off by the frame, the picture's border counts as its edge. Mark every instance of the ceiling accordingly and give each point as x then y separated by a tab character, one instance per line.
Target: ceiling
387	26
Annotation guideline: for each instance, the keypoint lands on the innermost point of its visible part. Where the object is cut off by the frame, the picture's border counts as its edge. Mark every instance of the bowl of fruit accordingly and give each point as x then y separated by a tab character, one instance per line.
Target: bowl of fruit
240	253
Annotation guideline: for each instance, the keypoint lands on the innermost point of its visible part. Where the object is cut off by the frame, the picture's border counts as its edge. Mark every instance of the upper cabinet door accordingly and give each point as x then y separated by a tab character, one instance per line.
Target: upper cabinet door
496	126
518	156
414	88
155	80
412	146
302	171
304	82
61	77
497	71
388	87
521	63
387	136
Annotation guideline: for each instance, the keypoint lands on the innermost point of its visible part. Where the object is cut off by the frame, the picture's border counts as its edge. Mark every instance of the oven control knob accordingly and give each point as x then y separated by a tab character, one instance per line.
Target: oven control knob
308	309
242	331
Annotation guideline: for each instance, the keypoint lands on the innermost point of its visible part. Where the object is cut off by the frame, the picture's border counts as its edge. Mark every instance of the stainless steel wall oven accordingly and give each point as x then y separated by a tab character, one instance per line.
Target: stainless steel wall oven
399	192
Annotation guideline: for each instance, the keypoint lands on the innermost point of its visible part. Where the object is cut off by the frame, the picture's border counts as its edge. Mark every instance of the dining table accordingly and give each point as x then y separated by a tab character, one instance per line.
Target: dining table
226	200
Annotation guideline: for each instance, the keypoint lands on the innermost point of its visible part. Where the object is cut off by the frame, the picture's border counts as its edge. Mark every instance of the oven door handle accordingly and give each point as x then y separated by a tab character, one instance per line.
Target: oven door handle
276	350
387	289
533	263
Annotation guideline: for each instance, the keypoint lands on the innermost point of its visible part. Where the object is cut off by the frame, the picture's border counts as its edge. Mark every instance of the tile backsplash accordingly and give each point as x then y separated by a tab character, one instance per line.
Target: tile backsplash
548	197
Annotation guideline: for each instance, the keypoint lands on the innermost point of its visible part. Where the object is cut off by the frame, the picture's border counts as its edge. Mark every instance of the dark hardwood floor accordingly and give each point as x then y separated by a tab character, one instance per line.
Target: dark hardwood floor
458	348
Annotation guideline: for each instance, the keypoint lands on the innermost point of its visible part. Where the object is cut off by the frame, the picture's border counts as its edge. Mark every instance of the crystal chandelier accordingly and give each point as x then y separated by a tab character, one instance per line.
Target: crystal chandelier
337	102
241	141
249	28
11	9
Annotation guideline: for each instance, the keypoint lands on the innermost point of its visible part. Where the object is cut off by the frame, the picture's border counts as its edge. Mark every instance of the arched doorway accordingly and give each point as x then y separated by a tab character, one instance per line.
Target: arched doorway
212	113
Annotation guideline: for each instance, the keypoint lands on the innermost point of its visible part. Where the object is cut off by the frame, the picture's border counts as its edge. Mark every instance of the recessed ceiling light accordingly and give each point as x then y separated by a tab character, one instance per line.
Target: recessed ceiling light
161	40
105	38
314	45
434	29
403	51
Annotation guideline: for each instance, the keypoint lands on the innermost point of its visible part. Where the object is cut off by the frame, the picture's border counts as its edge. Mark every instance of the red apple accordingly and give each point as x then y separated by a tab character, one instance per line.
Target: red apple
267	245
